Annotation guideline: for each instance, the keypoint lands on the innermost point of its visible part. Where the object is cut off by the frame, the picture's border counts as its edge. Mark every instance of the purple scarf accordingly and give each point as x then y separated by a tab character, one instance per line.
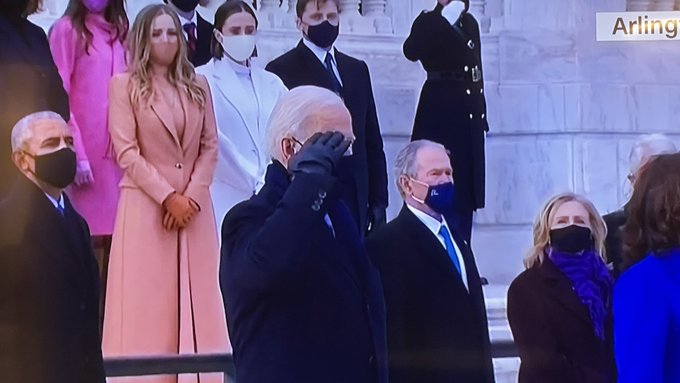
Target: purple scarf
591	280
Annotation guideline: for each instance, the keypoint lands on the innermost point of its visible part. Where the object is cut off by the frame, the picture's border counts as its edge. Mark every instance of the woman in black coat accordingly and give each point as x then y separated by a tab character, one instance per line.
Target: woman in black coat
452	107
560	308
29	81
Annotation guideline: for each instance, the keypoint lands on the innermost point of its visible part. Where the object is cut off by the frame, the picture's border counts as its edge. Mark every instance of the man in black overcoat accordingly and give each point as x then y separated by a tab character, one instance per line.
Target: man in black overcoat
29	81
315	61
436	318
49	287
452	107
303	302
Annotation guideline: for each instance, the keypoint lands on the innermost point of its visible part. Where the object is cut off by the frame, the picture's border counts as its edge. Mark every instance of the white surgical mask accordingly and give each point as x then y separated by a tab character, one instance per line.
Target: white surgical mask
238	47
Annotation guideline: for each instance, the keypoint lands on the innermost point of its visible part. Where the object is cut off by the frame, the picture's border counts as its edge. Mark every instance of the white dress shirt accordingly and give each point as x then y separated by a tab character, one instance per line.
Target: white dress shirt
320	53
184	21
434	226
57	203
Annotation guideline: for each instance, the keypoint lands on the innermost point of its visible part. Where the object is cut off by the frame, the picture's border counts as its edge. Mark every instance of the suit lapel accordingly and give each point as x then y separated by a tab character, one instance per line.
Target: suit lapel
560	287
313	67
164	115
341	60
431	248
192	115
232	90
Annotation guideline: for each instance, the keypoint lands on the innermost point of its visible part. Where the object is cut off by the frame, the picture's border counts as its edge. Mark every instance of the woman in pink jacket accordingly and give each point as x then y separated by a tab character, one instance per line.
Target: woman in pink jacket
87	45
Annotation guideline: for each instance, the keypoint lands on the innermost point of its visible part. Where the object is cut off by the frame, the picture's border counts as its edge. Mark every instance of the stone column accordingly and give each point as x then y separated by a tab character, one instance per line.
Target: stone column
639	5
478	9
269	13
376	10
663	5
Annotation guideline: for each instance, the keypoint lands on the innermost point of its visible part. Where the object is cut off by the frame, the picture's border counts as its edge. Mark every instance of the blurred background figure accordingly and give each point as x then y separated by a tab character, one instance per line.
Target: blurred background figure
559	308
198	32
163	295
316	61
87	46
647	295
49	320
423	262
243	96
452	107
29	81
644	149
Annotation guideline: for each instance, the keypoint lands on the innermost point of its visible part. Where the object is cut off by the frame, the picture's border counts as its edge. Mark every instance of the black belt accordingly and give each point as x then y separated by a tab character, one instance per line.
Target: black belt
471	76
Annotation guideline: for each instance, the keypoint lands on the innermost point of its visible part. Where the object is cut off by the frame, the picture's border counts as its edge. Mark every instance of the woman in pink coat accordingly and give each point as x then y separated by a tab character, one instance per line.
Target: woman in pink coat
87	45
162	294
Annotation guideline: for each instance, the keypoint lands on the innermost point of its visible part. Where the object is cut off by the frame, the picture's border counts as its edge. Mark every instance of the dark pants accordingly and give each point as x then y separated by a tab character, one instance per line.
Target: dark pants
464	223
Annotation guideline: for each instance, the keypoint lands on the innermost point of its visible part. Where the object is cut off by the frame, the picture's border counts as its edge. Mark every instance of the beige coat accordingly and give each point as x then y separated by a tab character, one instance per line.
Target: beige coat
162	295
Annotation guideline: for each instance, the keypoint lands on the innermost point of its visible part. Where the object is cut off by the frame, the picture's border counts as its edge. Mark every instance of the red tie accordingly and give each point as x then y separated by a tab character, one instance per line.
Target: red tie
190	29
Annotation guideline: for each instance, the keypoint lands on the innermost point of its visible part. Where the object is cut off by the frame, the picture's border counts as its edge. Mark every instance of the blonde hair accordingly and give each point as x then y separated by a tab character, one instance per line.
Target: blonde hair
544	220
301	110
180	73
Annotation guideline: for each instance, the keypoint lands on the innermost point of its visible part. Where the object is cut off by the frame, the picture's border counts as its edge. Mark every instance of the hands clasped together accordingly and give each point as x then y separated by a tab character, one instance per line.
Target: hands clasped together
179	211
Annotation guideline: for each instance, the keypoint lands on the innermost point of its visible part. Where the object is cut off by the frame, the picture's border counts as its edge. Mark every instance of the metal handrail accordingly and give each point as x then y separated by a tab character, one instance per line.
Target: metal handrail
208	363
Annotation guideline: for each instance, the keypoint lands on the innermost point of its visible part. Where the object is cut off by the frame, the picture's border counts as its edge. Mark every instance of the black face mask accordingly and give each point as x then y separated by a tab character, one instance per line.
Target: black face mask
57	169
185	5
323	35
571	239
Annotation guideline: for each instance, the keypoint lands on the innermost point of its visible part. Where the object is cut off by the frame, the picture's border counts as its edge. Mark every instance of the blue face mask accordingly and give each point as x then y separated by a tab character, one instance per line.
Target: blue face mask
439	197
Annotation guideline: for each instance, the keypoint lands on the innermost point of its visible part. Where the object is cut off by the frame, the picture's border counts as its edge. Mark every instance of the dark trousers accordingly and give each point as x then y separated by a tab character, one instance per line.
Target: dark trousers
464	223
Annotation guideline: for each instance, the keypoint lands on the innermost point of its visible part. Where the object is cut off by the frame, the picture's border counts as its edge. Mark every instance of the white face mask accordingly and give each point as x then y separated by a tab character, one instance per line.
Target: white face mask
238	47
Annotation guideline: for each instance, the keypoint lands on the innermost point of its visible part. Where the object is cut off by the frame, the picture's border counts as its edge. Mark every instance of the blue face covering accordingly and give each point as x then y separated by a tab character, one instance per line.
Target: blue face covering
439	197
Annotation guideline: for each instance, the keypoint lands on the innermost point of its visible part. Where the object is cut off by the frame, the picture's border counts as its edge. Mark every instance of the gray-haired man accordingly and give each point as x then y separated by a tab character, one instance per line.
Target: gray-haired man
49	325
436	318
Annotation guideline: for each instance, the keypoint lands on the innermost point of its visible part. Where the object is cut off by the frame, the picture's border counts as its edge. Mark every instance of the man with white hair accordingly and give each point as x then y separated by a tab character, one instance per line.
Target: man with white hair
49	311
436	317
644	149
303	302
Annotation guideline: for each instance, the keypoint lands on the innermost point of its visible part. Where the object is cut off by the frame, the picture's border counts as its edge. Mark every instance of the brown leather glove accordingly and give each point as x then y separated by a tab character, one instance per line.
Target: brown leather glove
180	208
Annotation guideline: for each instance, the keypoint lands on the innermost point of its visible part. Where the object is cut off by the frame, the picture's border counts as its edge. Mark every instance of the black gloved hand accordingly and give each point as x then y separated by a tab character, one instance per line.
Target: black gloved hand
377	216
320	154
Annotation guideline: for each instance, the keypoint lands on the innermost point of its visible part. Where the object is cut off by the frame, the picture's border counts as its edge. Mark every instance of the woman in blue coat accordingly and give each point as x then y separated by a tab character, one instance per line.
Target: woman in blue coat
647	296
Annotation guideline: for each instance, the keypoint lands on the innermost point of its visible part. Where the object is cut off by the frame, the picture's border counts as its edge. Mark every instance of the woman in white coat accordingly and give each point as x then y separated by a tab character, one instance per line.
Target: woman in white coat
243	98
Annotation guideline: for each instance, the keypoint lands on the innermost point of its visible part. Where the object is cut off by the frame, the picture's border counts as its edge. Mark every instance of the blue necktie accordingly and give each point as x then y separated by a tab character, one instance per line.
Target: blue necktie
450	248
61	209
335	83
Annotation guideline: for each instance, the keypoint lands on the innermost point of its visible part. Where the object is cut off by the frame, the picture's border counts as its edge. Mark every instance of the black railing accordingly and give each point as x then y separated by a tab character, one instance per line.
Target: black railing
187	364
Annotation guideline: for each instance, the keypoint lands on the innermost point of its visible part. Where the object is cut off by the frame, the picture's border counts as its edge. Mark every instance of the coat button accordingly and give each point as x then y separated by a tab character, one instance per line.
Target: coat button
466	68
316	207
468	91
481	91
322	194
178	165
370	359
471	116
483	115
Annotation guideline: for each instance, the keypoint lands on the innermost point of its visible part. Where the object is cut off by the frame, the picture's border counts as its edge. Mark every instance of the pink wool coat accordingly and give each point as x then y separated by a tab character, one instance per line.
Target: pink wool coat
86	75
163	293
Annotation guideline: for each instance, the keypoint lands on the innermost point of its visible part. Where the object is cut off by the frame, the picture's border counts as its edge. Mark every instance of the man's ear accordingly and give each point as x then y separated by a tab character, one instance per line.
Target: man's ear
405	185
299	24
19	159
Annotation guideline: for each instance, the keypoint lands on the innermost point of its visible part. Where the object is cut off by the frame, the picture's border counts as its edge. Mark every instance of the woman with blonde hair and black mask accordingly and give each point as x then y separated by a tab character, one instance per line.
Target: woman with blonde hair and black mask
559	308
163	296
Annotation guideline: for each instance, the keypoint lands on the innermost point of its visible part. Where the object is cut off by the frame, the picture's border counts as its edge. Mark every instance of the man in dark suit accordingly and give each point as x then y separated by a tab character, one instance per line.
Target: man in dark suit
29	81
436	317
316	62
49	325
452	106
303	302
196	29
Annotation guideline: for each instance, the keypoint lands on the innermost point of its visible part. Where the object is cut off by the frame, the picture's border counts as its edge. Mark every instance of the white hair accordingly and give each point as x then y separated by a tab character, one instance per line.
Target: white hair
406	165
648	146
300	111
22	131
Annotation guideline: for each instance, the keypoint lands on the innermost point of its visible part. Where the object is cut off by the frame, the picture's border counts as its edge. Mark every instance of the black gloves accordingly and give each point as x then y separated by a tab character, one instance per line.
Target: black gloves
320	154
377	216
